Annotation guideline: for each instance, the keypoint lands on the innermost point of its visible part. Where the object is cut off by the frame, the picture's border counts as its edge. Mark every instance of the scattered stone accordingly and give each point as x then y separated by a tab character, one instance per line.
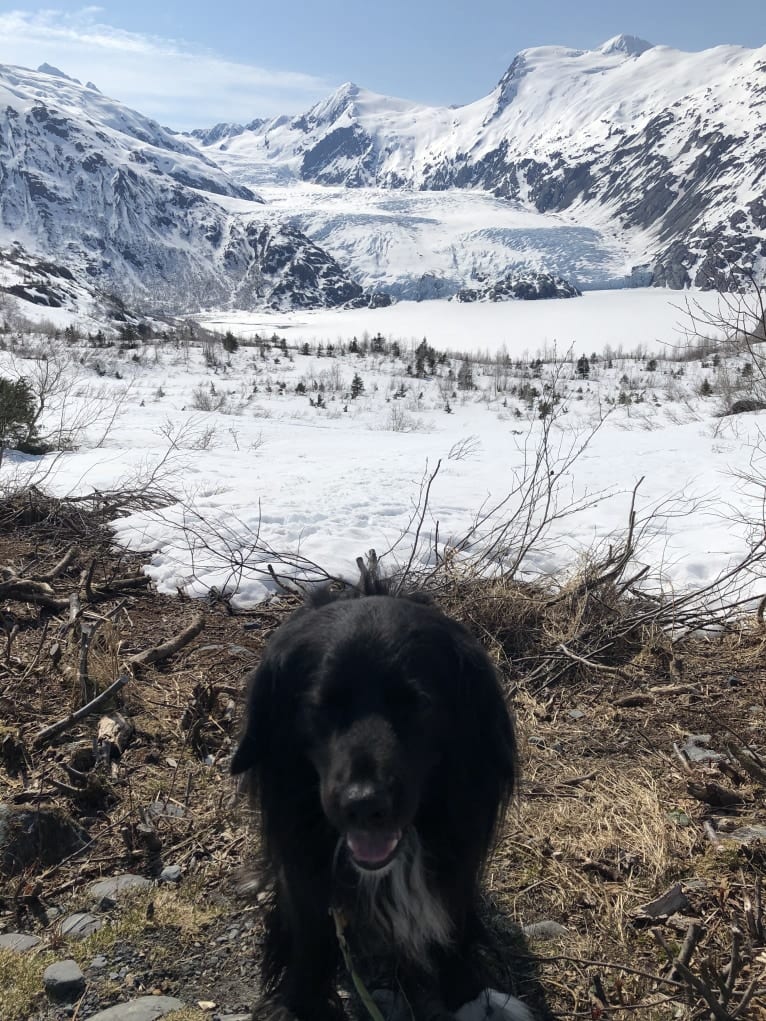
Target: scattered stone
81	925
43	835
544	930
749	834
166	810
206	1004
98	962
235	1017
18	941
110	889
695	751
171	874
63	980
575	714
144	1008
673	901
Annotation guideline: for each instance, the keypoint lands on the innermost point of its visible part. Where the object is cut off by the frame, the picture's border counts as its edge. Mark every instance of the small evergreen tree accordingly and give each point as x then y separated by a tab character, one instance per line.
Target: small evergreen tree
706	389
17	415
465	376
230	343
583	367
357	386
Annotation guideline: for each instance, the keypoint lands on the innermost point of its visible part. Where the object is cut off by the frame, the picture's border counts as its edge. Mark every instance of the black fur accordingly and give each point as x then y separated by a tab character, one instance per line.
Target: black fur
369	717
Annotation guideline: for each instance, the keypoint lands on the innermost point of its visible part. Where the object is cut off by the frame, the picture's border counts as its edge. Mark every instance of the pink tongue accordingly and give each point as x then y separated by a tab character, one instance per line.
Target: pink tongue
372	848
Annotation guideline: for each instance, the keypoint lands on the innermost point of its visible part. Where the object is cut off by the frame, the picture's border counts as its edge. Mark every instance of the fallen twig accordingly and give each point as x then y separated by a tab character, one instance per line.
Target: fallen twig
47	734
169	648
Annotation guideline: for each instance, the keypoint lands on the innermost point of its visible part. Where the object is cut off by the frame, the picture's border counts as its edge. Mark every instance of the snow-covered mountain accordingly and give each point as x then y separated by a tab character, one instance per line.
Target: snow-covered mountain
140	212
660	154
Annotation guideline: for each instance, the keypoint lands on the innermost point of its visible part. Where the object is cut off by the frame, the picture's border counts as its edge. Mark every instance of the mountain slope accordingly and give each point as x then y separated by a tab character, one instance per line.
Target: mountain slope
667	149
141	212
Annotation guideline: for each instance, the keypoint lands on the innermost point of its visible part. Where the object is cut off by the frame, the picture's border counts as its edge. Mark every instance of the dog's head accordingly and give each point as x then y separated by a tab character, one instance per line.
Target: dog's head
374	733
370	705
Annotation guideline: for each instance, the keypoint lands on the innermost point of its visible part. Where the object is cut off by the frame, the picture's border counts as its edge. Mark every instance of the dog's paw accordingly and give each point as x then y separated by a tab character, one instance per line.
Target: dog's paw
492	1005
273	1010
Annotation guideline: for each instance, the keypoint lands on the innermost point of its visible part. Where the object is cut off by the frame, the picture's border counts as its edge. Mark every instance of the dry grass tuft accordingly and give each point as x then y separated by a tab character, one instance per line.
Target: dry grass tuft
21	983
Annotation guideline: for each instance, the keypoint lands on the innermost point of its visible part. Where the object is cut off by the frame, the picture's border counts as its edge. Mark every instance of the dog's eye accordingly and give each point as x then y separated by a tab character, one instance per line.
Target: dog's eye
407	698
334	700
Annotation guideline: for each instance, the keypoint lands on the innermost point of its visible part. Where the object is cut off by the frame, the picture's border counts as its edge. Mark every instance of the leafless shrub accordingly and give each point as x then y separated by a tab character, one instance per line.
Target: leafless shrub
205	398
464	449
400	420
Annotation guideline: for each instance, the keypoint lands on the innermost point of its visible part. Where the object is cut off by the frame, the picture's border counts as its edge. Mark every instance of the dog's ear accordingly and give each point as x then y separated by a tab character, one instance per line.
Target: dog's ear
486	717
252	744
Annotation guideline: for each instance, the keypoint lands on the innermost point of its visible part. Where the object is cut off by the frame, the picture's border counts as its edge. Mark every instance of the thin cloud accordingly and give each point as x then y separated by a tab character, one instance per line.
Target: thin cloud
168	79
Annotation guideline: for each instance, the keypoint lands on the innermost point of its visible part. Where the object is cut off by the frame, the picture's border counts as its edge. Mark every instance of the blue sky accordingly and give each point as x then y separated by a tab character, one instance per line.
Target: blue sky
192	64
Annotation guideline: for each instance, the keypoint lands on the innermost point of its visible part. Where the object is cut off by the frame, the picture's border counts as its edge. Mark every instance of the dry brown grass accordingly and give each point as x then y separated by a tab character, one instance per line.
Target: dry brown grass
605	821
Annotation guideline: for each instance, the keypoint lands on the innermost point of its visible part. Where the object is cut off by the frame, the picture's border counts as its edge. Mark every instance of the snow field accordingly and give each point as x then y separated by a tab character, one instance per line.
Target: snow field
270	477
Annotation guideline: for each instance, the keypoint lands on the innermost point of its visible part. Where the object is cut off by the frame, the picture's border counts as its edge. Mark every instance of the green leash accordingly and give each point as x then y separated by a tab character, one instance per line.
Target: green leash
364	994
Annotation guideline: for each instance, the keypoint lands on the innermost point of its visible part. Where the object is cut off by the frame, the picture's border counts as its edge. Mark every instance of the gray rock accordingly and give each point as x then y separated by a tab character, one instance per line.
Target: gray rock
18	941
544	930
43	835
166	810
673	901
749	834
81	925
695	751
145	1008
63	980
98	962
171	874
110	889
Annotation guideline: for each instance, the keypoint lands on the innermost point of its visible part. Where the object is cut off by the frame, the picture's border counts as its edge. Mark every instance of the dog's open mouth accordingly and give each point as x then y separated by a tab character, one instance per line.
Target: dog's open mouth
373	849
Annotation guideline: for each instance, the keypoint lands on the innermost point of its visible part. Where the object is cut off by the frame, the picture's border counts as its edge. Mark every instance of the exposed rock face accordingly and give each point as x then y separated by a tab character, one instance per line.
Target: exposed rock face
669	148
140	212
527	286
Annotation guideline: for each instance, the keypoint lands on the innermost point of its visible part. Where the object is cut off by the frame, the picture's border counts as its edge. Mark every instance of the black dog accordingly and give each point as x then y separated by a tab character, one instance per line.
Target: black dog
381	755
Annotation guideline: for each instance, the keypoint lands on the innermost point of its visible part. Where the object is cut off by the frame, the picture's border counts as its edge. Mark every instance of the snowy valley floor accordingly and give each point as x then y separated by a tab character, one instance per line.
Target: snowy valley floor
272	454
642	745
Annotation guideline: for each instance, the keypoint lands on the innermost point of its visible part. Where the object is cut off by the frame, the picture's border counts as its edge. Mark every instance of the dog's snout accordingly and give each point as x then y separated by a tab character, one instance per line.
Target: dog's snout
365	806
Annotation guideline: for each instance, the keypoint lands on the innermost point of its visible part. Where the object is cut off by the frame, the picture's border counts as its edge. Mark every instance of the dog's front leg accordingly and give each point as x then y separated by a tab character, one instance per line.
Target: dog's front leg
300	965
423	997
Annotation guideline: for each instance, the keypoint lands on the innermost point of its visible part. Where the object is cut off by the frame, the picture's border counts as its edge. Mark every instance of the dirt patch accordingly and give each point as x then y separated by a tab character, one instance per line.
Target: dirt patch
635	782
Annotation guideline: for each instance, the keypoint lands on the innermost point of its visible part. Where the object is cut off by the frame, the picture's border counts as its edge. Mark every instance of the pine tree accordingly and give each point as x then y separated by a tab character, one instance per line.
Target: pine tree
357	386
17	414
583	367
465	376
230	342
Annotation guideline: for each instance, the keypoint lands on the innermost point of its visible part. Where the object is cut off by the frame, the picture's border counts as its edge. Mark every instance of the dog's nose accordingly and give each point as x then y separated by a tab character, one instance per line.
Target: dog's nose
364	806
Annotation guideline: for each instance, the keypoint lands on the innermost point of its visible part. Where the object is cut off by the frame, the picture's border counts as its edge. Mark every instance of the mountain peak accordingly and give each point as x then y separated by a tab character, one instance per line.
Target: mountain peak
337	103
630	45
56	73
